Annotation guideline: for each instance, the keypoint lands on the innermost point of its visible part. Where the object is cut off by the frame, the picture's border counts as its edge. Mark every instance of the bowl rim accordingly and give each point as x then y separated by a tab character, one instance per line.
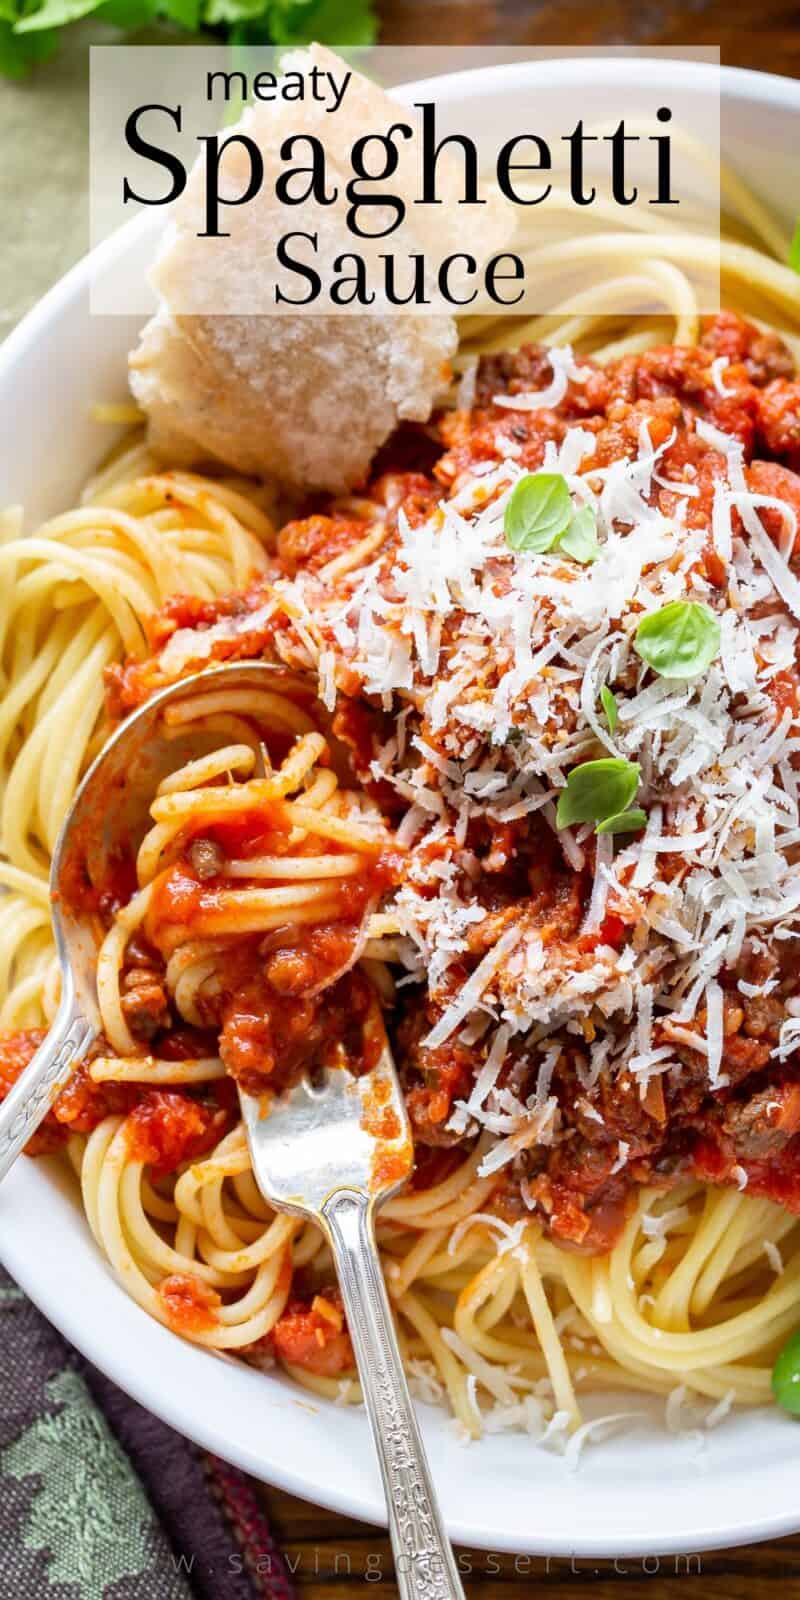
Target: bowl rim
67	1314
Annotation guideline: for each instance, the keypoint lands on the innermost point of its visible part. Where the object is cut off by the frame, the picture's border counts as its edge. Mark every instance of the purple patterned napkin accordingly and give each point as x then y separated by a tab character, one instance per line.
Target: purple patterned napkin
101	1501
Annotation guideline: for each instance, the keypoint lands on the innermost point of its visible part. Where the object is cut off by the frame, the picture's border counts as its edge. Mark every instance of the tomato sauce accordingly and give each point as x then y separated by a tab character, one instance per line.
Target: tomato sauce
166	1129
270	1037
312	1334
190	1306
283	1002
132	682
314	541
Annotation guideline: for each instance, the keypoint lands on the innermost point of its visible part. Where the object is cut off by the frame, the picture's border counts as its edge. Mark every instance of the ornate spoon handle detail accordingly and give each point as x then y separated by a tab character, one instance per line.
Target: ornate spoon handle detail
45	1076
424	1560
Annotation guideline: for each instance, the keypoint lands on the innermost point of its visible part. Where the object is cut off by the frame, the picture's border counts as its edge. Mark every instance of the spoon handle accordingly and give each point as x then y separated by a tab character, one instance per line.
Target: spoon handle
37	1087
425	1565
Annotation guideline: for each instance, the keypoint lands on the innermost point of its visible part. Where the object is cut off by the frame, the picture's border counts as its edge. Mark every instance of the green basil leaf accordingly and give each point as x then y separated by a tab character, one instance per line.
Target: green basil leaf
623	822
580	539
538	512
597	790
794	248
679	641
609	704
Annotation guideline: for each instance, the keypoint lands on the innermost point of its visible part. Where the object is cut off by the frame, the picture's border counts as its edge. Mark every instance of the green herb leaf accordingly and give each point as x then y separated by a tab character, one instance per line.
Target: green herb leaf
186	13
580	539
341	24
786	1376
597	790
609	703
250	13
794	248
679	641
538	512
129	15
54	14
623	822
29	28
20	52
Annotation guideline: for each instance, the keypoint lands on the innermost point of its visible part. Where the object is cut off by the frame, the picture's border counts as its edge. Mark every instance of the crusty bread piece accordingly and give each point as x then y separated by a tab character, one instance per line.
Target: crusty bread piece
306	401
303	399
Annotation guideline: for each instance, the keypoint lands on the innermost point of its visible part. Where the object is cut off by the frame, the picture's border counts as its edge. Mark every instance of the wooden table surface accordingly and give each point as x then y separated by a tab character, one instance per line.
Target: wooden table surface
332	1558
763	34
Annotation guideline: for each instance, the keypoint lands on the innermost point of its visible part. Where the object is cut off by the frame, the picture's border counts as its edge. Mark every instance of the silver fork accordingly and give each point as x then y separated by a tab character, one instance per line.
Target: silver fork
332	1152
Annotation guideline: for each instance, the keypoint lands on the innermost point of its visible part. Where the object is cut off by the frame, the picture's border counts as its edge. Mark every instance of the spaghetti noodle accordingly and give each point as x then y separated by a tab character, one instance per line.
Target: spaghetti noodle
596	1037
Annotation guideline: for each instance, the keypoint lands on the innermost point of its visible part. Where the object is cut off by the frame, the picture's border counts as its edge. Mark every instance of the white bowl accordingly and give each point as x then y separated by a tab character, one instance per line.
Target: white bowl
645	1493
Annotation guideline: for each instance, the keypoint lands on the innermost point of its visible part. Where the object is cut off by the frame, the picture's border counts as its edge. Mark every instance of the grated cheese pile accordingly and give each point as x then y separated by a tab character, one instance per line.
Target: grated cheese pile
492	662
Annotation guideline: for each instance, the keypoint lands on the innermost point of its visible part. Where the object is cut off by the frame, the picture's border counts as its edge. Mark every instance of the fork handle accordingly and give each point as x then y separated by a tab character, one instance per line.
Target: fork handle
425	1565
48	1070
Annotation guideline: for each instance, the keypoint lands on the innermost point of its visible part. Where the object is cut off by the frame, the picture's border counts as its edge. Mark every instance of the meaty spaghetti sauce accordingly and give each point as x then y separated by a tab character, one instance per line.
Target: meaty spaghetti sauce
167	1128
614	1010
281	1003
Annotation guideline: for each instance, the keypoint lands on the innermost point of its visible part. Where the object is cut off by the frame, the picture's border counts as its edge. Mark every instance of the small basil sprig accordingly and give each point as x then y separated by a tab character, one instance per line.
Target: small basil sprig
609	703
598	791
538	512
680	640
539	517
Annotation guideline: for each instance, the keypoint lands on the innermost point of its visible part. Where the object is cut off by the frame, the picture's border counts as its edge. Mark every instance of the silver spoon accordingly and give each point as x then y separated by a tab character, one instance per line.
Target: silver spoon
332	1151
